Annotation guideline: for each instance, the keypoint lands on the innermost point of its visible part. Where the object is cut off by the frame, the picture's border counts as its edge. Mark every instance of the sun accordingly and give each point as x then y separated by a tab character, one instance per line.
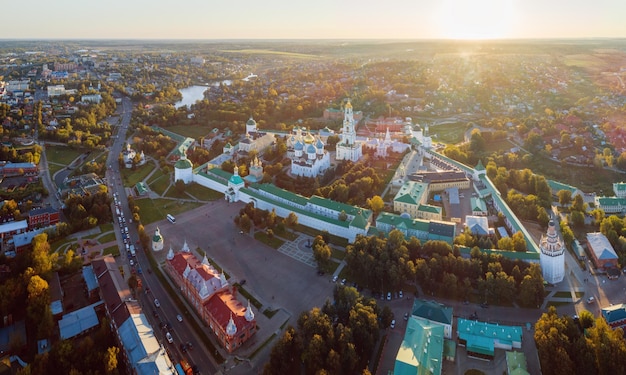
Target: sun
476	19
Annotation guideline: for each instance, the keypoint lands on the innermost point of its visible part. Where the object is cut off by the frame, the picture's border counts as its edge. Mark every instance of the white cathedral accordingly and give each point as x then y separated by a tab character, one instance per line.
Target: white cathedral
348	147
552	256
307	154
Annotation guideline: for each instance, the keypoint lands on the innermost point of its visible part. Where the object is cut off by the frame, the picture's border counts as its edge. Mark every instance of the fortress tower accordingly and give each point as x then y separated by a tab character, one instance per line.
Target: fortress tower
552	256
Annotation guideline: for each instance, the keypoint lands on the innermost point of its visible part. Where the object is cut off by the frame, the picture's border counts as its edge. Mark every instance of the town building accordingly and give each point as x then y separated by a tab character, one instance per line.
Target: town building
421	350
213	299
130	157
412	199
611	205
42	217
308	156
615	315
619	188
435	313
602	253
552	257
139	348
254	140
478	225
424	230
481	339
9	169
255	172
348	147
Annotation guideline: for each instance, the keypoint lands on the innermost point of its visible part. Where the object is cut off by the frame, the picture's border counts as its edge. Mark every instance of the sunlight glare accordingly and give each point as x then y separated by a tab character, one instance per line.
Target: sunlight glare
476	19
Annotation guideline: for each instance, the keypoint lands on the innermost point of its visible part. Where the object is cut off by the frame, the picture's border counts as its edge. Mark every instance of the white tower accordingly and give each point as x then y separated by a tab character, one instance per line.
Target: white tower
552	256
348	147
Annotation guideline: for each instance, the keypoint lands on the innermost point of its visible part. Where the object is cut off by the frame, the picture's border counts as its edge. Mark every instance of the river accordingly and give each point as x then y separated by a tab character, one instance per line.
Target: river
194	93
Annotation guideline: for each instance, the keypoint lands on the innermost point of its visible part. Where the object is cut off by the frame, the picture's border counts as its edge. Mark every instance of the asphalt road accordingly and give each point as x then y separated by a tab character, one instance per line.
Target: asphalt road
180	331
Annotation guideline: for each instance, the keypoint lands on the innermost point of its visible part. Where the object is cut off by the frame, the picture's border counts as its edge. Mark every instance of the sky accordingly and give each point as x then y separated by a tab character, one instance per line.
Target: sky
318	19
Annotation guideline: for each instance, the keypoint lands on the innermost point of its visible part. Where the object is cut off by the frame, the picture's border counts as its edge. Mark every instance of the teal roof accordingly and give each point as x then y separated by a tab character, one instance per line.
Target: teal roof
236	179
406	198
141	188
619	186
429	208
433	311
615	313
480	336
395	220
527	256
478	204
421	351
555	186
479	166
612	201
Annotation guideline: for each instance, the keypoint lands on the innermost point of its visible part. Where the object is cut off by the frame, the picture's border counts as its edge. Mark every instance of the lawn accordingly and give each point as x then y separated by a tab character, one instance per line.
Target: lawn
588	179
155	176
449	133
160	185
131	177
151	210
107	237
499	145
62	154
106	227
57	245
196	132
113	250
337	254
203	193
272	242
563	295
54	168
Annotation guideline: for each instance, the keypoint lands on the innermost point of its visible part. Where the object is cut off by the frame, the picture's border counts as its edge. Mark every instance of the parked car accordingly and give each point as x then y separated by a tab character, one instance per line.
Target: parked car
393	324
389	296
335	278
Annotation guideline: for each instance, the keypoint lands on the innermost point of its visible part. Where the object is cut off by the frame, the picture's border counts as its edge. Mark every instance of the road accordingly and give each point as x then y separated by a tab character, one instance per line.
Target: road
167	311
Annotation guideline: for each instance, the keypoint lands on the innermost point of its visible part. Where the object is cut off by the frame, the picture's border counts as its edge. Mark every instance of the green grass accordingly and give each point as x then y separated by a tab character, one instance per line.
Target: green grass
337	254
151	210
191	131
57	245
474	372
289	236
272	242
558	304
54	168
449	133
173	193
249	296
113	250
563	295
332	266
498	145
155	176
335	240
203	193
106	227
62	154
270	313
160	185
579	294
108	237
131	177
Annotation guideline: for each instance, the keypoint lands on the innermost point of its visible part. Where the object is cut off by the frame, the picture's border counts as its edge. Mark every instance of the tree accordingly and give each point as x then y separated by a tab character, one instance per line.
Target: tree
291	221
245	223
376	203
321	252
565	197
110	360
179	185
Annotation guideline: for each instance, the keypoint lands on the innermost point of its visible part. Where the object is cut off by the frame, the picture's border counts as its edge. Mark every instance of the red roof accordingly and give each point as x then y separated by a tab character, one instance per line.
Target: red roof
221	305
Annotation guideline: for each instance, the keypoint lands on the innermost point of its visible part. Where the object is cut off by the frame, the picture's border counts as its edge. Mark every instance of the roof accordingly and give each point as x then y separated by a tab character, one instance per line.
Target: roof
478	225
478	204
432	311
516	363
42	210
79	321
142	348
611	201
481	336
338	206
12	226
527	256
141	187
284	194
421	351
359	221
183	164
557	186
7	333
90	278
222	306
26	238
614	313
411	192
600	246
619	186
236	179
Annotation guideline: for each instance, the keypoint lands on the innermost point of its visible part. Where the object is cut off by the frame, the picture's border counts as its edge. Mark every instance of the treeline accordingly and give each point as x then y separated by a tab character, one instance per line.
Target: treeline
30	155
153	143
516	242
586	345
357	184
337	339
88	211
386	264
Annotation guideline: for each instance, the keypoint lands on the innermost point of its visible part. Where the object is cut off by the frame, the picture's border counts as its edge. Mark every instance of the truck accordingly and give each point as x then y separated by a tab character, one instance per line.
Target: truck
132	250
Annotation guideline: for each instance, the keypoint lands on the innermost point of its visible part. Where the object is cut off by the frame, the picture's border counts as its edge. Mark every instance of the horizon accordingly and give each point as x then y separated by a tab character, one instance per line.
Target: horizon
322	20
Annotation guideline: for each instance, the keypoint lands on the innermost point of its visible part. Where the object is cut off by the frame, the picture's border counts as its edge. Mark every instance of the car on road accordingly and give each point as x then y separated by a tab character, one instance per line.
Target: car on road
406	316
591	300
335	278
132	262
393	324
169	337
189	345
157	303
179	318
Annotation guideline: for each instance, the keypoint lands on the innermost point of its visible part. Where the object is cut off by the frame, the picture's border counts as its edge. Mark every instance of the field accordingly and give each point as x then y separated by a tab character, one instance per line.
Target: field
252	51
202	193
448	133
499	145
196	132
131	177
61	154
151	210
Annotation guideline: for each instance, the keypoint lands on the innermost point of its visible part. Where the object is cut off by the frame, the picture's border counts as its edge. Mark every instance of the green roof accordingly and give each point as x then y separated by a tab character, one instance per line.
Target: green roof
619	186
478	204
557	186
395	220
359	221
516	363
406	198
528	255
183	164
433	311
236	179
612	201
220	173
338	206
411	192
429	208
479	166
141	188
421	351
284	194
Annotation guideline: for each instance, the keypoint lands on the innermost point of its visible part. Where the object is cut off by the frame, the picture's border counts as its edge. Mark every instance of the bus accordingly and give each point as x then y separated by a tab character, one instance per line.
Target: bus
171	219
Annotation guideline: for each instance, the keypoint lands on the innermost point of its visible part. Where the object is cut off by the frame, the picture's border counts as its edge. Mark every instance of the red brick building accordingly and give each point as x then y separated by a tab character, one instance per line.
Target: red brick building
42	217
210	294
